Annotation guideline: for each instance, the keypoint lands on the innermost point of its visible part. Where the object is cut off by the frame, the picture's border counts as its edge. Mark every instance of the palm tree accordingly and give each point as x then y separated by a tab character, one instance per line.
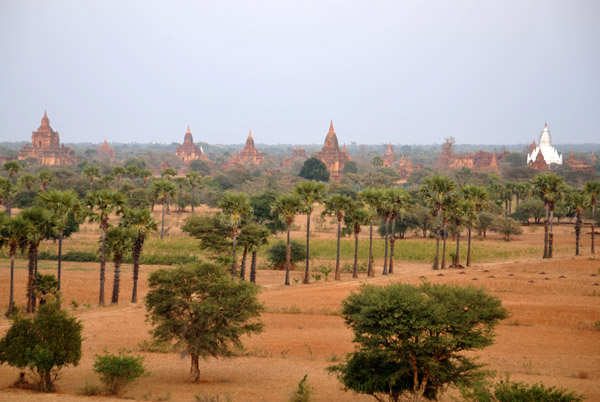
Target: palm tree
592	189
464	212
64	205
310	192
107	180
252	237
434	192
180	182
162	190
117	172
286	207
337	205
194	180
478	196
260	238
522	191
100	205
510	189
168	173
400	203
14	234
27	181
372	197
133	171
118	243
13	168
355	217
7	190
575	201
235	208
41	224
449	205
45	177
550	188
145	174
141	223
91	172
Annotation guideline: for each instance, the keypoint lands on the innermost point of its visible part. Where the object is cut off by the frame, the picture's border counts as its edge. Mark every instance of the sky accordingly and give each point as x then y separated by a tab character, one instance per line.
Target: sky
405	72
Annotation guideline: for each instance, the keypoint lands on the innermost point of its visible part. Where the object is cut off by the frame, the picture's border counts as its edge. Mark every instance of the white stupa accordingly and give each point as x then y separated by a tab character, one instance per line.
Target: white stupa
549	153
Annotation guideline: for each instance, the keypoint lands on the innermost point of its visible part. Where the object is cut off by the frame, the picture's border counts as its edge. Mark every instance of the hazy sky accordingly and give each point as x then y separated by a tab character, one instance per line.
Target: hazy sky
384	71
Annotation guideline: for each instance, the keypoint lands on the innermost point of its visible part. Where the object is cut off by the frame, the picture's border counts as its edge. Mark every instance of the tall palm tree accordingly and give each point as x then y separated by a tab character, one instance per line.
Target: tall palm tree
510	189
522	191
133	172
433	192
260	238
180	182
592	189
91	172
168	173
13	168
118	172
479	197
163	190
142	224
235	208
41	224
7	190
464	212
118	243
550	188
101	204
252	237
355	218
400	203
193	180
372	197
576	200
13	234
145	174
64	205
27	181
337	205
286	207
449	205
45	177
310	192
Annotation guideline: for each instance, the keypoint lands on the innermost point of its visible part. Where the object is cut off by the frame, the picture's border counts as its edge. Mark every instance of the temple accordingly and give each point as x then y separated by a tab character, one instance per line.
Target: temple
581	165
477	161
188	151
45	147
405	167
389	157
332	156
105	152
249	156
549	153
298	155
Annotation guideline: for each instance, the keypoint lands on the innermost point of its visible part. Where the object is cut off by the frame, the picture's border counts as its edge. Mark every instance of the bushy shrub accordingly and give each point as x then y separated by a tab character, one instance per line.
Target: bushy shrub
511	391
118	370
303	393
276	254
506	227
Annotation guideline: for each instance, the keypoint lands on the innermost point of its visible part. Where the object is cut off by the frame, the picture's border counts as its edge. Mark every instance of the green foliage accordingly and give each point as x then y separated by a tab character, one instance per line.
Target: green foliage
350	167
201	167
511	391
314	169
44	344
276	253
506	227
531	208
214	233
303	393
116	371
411	339
46	285
202	308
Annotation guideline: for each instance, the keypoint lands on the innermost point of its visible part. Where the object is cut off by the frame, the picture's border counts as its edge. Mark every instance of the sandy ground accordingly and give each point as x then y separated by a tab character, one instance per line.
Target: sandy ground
551	336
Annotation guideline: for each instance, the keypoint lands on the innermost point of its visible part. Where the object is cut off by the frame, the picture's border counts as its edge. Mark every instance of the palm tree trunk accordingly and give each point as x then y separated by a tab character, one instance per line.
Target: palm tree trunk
338	275
371	272
306	280
457	262
355	270
137	253
162	223
8	206
551	235
102	268
510	206
469	249
593	227
385	258
11	300
546	234
444	248
577	232
288	255
243	265
253	267
30	278
193	199
436	262
234	263
117	279
35	277
60	240
392	245
195	368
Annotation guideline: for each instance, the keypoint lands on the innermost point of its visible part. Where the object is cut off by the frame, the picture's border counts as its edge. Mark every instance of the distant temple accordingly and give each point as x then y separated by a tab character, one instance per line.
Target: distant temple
298	154
332	156
580	165
549	153
405	167
45	147
105	152
188	151
389	157
477	161
249	156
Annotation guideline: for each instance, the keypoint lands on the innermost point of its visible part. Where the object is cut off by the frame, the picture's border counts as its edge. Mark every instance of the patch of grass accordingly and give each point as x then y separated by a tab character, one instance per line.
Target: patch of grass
257	352
285	310
332	358
90	388
212	398
155	346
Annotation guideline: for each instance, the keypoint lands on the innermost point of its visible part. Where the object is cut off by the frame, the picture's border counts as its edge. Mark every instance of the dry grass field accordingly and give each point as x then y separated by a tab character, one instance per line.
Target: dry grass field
552	335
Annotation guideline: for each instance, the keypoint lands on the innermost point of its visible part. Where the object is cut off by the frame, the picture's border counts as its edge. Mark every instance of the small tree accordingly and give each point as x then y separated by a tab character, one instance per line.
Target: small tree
276	254
44	344
511	391
202	308
116	371
411	339
506	227
314	169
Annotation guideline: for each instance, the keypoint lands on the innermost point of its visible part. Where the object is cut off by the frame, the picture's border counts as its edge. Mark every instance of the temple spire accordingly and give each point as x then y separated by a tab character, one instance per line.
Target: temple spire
45	119
250	134
331	127
188	130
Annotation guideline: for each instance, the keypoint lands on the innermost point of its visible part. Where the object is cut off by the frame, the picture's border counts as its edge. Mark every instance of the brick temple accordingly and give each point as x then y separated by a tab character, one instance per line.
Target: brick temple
332	156
389	157
298	155
249	156
405	167
45	147
105	152
188	151
448	160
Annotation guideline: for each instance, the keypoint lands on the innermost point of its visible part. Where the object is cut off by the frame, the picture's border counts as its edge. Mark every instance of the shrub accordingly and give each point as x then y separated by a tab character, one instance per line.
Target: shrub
303	393
90	389
510	391
118	370
276	254
506	227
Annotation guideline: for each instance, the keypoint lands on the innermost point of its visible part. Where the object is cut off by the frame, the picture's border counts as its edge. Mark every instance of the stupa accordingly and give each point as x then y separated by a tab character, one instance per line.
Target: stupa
549	153
332	156
249	156
389	157
105	152
45	147
188	151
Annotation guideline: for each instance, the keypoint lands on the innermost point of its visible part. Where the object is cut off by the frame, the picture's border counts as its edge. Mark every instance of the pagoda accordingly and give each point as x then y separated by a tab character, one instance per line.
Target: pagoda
249	156
549	153
332	156
45	147
389	157
405	167
298	154
188	151
106	152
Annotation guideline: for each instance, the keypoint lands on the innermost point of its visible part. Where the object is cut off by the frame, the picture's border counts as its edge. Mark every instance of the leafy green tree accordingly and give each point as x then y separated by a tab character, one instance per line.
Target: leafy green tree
355	218
168	173
133	171
522	191
484	222
511	391
101	204
550	188
119	242
337	205
235	209
277	254
592	189
202	167
45	177
208	325
310	192
91	172
372	197
350	167
507	227
145	174
214	233
116	371
44	343
314	169
13	234
261	205
411	340
377	162
27	181
13	168
163	190
107	180
46	285
531	208
286	207
118	172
